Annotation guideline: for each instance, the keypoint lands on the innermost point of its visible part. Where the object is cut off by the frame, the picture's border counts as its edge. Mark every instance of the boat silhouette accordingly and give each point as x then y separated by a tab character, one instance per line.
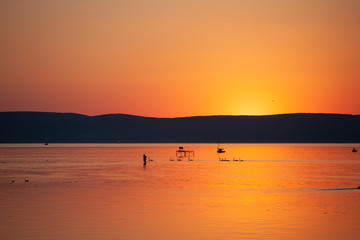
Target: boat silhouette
220	150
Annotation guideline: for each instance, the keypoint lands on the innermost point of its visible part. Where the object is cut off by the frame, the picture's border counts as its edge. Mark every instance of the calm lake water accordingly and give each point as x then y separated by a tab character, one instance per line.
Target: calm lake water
103	191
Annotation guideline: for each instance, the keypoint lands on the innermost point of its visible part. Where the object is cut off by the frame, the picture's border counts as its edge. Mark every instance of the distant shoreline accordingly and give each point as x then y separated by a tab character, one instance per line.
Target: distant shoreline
299	128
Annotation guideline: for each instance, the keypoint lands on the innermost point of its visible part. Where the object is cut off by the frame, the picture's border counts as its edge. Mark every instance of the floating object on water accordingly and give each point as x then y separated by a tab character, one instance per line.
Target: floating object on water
220	150
181	153
46	143
354	150
171	159
26	180
238	160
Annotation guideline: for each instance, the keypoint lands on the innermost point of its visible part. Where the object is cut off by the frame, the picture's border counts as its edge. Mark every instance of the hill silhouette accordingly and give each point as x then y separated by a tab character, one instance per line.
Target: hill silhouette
39	127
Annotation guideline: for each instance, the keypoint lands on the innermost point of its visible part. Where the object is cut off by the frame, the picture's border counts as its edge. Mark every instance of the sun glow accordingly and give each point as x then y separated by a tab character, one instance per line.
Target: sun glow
251	108
253	104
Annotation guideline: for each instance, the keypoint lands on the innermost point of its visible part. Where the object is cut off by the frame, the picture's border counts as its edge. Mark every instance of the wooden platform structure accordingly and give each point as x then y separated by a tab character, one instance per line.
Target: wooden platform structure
181	154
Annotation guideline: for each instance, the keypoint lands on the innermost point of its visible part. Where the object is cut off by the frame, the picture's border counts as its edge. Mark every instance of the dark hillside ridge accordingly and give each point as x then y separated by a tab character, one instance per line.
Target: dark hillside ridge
40	127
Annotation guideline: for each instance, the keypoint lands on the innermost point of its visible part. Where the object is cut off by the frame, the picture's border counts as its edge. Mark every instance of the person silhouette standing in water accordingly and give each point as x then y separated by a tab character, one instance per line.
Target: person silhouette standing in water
144	159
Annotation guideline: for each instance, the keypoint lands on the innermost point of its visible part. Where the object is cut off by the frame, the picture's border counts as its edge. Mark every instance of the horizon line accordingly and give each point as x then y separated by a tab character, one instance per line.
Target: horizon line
215	115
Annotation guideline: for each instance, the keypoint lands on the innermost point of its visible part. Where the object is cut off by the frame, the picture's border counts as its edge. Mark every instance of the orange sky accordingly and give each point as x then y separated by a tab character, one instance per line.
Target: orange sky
180	58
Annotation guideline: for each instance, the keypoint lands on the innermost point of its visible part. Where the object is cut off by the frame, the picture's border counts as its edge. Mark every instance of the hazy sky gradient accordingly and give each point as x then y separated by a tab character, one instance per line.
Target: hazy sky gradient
180	58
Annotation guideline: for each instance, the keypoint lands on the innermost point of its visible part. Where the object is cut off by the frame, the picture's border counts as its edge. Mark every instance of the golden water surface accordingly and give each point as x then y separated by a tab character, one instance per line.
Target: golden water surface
103	191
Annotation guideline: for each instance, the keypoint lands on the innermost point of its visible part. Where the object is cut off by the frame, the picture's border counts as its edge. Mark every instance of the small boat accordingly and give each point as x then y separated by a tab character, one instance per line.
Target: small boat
354	150
220	150
46	144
